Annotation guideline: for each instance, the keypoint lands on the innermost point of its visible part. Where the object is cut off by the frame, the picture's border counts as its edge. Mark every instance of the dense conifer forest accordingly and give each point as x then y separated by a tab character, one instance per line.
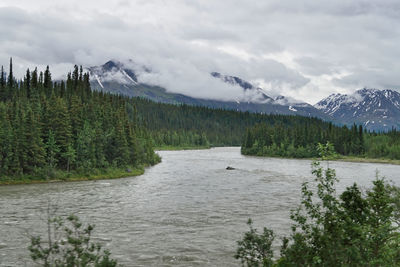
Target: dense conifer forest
49	127
300	138
193	125
259	134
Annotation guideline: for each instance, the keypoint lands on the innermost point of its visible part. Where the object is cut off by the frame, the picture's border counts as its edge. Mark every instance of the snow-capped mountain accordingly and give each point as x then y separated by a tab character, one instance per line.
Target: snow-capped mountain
262	97
113	71
119	78
375	109
257	93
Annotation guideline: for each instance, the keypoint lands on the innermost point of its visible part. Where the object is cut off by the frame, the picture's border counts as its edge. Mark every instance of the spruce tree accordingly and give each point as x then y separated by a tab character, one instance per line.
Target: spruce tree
10	81
36	152
47	83
53	150
2	78
27	84
60	124
3	88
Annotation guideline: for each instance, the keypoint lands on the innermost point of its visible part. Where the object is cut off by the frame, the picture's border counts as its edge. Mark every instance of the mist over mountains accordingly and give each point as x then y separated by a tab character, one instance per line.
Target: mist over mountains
375	109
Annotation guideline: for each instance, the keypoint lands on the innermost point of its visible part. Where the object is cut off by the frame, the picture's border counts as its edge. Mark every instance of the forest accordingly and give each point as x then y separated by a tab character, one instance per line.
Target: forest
50	129
60	128
198	126
300	140
259	134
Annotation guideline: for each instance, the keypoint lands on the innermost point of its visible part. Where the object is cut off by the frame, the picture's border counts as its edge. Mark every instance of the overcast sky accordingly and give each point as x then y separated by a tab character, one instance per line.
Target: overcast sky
302	49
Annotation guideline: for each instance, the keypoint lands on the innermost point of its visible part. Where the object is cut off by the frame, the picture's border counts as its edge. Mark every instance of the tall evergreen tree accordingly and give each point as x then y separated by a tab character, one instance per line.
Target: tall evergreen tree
35	148
27	83
34	79
47	83
10	80
3	88
53	150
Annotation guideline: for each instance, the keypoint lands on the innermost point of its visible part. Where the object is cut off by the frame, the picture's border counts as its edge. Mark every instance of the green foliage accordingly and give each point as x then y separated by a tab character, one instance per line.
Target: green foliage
52	150
326	151
353	229
302	138
255	249
48	127
184	125
68	244
383	145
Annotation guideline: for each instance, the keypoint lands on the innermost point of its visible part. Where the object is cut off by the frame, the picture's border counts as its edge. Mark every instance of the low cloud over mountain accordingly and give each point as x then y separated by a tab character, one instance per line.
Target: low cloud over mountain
302	49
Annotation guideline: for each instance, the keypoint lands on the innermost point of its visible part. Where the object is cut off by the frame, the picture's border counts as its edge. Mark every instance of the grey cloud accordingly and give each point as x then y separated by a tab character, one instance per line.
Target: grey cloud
335	46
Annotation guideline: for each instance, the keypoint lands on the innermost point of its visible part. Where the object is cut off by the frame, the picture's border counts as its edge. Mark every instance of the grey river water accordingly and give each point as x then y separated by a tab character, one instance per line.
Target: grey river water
186	211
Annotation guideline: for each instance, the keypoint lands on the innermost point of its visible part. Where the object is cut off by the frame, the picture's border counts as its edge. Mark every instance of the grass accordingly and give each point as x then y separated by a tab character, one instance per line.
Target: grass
368	160
63	176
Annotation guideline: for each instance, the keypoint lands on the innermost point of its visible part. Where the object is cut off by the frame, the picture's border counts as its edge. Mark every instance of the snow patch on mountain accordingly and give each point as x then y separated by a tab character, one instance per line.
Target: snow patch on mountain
250	92
112	71
288	101
98	81
367	106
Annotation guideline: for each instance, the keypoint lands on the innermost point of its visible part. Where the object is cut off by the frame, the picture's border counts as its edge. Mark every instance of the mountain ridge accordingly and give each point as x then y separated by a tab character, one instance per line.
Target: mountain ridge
373	108
112	77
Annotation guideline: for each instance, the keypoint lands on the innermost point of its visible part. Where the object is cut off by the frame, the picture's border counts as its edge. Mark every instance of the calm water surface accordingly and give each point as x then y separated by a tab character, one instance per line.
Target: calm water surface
186	211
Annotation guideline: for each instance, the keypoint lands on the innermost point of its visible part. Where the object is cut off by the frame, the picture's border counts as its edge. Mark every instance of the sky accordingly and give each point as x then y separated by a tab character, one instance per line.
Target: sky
303	49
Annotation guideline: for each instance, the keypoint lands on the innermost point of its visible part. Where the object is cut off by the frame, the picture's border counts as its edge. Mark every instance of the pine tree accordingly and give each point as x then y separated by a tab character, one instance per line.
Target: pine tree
5	138
70	155
75	77
10	81
85	150
27	83
34	79
2	78
47	83
36	152
59	122
3	87
53	150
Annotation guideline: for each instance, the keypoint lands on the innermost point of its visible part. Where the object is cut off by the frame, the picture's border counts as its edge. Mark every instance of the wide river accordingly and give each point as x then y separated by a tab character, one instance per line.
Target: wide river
186	211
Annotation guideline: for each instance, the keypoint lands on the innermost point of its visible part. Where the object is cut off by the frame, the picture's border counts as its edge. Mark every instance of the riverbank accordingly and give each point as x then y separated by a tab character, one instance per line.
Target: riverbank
340	158
176	148
367	160
63	176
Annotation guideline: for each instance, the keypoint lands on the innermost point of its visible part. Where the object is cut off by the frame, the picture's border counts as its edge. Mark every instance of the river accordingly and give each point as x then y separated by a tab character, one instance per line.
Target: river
186	211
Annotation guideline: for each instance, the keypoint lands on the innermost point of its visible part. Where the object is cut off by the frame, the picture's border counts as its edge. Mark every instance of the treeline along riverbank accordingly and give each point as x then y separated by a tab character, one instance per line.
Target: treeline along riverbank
64	130
300	139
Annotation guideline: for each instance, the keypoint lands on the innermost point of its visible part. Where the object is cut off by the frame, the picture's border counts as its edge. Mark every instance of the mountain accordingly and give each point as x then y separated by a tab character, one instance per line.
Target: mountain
375	109
117	78
260	96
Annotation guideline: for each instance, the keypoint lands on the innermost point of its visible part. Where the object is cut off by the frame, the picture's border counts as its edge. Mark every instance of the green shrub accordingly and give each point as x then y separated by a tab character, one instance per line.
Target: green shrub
353	229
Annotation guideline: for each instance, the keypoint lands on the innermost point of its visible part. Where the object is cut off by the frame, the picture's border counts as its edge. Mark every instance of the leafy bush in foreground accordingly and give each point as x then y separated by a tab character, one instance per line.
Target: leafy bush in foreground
69	245
354	229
